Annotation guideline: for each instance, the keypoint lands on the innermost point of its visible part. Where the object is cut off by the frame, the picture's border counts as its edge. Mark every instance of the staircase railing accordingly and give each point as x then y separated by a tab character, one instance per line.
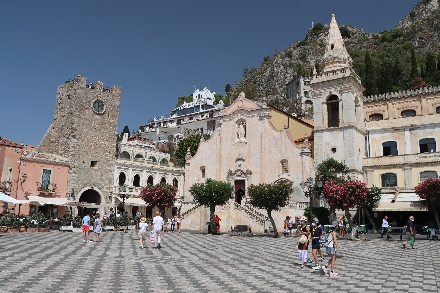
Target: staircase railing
191	210
252	213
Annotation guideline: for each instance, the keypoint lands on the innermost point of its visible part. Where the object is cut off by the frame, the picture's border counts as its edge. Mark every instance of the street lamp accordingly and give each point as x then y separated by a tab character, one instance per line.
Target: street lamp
309	193
122	190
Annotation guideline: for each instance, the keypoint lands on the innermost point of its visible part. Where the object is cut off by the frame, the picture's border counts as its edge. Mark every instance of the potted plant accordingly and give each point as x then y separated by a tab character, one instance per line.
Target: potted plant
117	223
108	224
43	223
31	226
66	223
14	225
3	225
23	226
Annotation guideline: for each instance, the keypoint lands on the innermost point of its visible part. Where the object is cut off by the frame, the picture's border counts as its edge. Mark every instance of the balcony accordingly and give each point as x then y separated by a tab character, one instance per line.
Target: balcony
46	190
5	187
401	159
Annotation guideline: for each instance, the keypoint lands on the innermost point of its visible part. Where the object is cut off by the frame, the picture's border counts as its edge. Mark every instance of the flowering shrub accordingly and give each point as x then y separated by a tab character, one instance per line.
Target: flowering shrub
430	190
345	195
159	195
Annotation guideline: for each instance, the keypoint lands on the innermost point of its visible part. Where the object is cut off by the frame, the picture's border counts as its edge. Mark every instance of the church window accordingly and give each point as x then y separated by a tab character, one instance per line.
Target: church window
163	180
122	178
428	174
284	166
376	117
437	110
408	113
333	111
9	176
138	156
332	46
333	150
203	171
389	148
136	180
175	183
164	162
124	155
427	145
152	159
389	180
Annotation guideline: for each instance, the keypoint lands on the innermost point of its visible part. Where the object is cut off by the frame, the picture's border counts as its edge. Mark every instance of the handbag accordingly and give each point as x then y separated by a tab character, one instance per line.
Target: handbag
302	239
412	240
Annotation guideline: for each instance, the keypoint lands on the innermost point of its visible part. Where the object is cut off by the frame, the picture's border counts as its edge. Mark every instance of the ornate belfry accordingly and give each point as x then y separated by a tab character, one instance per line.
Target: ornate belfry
339	127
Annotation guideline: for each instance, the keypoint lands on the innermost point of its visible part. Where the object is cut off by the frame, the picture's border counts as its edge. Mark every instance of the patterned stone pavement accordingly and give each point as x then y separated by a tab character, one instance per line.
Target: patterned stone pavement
188	262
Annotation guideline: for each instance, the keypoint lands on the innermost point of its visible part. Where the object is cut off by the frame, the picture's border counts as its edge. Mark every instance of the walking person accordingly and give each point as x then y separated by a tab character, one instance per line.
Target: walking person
342	229
303	241
290	226
316	245
125	218
385	226
332	247
410	233
178	222
217	224
143	226
86	227
97	228
173	223
157	229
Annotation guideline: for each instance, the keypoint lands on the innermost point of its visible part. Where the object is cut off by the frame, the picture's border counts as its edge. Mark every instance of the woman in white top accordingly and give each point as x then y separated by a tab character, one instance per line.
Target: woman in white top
332	247
143	226
178	220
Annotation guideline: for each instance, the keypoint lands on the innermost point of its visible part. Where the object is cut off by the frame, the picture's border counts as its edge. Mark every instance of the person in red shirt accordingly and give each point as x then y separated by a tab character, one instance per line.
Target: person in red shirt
217	223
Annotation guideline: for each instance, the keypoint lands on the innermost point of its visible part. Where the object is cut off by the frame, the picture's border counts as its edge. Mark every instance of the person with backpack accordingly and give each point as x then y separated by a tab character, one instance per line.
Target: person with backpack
332	246
303	241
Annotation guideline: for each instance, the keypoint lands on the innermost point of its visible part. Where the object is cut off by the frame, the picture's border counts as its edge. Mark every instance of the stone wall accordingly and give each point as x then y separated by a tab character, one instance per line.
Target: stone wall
84	135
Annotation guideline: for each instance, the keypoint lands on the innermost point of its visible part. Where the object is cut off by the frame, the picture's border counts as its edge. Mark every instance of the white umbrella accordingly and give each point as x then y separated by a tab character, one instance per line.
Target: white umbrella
7	198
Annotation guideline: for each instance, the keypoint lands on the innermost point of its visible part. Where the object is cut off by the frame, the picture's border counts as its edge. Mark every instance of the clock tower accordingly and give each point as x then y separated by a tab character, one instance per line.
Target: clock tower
339	127
84	132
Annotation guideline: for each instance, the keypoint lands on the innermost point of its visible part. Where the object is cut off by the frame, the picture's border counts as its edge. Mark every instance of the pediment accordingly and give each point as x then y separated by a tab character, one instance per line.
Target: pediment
241	103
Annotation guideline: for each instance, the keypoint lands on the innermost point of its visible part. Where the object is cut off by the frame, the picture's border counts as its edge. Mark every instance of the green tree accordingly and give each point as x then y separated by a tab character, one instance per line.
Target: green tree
124	130
414	70
385	84
228	88
271	197
431	69
345	32
210	194
370	77
184	99
226	100
192	142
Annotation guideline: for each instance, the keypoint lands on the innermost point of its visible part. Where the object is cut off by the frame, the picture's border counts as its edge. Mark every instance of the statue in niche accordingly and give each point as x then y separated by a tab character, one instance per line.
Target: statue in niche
241	132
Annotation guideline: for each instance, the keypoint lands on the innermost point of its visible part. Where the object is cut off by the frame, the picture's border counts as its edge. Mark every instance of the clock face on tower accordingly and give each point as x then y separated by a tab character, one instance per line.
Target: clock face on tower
98	106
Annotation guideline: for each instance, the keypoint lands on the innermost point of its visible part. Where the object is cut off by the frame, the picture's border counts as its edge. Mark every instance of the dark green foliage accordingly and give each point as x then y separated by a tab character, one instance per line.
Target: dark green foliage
124	130
414	70
303	56
345	32
191	142
432	74
266	59
289	54
322	213
370	77
228	88
330	169
300	70
317	29
182	99
226	100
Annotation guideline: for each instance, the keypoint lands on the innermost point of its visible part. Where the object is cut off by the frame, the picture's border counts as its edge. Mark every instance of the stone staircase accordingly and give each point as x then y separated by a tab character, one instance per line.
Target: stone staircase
190	211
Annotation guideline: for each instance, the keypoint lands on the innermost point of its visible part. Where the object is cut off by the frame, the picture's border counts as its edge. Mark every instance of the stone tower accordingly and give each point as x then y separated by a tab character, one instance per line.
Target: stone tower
339	127
84	131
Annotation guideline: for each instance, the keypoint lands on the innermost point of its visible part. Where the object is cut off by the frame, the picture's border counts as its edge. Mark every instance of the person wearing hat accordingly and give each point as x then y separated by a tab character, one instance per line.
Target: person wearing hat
157	229
332	246
303	242
143	226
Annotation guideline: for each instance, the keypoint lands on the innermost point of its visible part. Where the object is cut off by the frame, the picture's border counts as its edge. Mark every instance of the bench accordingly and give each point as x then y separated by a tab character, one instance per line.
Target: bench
397	231
241	230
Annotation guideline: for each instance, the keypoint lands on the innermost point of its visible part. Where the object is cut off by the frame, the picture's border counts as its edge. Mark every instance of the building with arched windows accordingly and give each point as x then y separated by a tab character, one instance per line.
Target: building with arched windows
139	164
388	140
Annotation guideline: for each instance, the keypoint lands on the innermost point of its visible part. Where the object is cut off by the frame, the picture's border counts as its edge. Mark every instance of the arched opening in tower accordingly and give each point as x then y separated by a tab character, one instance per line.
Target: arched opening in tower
333	111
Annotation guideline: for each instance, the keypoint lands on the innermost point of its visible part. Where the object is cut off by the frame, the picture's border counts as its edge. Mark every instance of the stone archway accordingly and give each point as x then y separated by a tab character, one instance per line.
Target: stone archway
89	195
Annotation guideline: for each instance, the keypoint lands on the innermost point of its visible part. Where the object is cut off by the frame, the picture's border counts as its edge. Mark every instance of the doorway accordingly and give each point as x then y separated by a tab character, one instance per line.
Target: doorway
89	196
240	187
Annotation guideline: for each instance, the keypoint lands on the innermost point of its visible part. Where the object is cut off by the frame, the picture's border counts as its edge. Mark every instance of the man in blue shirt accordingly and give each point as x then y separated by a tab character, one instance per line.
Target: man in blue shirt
86	227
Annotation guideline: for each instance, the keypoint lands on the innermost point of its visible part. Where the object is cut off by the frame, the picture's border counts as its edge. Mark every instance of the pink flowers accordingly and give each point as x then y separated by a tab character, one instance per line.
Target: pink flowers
160	195
345	195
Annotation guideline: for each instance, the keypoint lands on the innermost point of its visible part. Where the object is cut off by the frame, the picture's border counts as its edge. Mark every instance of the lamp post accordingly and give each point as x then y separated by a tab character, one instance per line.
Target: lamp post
122	190
309	193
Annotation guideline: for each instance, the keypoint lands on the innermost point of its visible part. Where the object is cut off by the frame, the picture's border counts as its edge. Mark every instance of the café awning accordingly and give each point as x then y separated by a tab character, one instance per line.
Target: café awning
403	202
48	200
7	198
135	201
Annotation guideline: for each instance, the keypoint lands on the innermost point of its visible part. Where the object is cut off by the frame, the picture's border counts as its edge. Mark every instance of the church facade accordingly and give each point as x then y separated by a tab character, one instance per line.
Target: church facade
246	148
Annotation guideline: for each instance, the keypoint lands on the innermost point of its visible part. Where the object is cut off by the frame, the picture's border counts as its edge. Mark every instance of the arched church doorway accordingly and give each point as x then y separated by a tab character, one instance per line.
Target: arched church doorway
240	186
89	196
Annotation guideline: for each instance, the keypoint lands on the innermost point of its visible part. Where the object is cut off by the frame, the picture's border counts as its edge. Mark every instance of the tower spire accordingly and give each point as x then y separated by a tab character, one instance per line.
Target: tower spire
336	56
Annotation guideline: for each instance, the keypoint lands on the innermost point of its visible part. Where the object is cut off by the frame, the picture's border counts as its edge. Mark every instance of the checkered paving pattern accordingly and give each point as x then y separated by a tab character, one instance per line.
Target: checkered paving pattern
188	262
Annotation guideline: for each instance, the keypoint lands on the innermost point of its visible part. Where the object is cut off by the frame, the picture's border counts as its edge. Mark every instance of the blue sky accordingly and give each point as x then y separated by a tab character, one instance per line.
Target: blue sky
154	50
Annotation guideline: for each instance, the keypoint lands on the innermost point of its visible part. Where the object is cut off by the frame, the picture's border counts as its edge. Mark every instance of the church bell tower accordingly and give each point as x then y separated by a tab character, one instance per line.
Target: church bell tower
339	128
